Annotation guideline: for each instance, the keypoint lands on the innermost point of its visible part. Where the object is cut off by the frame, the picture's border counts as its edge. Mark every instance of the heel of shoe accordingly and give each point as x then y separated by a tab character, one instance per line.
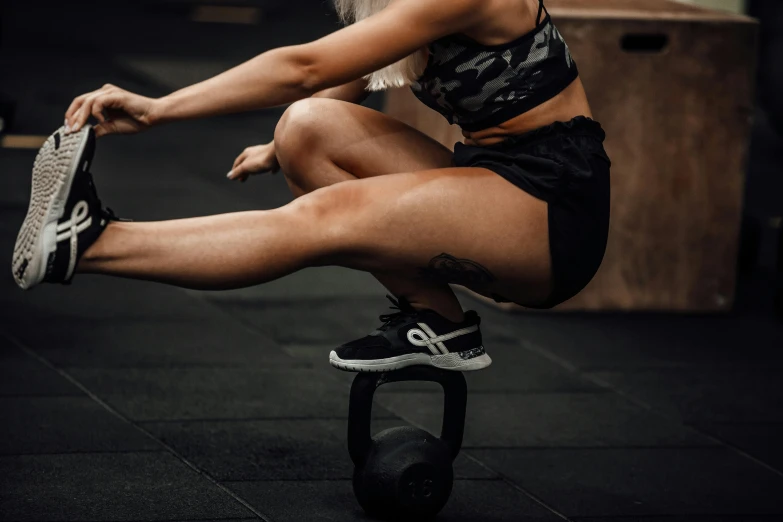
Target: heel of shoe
466	361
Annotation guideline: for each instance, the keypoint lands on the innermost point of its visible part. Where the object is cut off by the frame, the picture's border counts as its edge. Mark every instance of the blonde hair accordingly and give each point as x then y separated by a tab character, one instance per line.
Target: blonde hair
398	74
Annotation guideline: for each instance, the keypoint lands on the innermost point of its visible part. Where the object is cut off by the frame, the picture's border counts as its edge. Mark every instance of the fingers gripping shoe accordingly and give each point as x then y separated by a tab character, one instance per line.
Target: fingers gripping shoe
65	215
411	337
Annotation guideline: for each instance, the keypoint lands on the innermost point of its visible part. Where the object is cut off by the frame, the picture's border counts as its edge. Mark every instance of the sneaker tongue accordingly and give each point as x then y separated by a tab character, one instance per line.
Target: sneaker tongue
393	322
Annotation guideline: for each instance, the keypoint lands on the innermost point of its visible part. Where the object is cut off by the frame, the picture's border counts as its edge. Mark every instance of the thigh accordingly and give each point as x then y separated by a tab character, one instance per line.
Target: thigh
360	141
464	226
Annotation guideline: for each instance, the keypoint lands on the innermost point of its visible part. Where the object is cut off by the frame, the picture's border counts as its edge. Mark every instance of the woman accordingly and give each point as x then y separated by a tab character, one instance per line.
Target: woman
518	213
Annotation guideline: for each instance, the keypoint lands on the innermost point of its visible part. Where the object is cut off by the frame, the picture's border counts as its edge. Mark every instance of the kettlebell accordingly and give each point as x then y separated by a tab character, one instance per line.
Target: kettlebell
405	473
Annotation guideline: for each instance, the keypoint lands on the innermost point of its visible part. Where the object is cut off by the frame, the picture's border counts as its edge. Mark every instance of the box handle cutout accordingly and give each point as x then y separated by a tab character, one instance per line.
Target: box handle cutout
648	43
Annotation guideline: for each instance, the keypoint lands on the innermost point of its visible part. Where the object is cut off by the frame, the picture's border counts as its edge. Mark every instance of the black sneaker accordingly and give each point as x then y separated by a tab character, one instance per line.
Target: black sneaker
65	215
411	337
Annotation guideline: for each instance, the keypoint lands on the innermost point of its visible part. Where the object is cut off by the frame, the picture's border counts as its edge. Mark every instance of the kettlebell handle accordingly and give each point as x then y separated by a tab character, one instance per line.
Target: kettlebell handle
455	398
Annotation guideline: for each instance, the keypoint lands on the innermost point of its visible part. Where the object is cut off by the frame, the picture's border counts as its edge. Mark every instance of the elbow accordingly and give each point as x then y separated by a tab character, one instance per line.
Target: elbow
311	75
311	80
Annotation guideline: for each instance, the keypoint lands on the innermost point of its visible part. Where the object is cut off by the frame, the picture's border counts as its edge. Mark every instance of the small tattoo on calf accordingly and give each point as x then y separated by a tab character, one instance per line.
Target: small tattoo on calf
446	268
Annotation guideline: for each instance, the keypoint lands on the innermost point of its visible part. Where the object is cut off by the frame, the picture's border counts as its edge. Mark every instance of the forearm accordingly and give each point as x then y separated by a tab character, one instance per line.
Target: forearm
273	78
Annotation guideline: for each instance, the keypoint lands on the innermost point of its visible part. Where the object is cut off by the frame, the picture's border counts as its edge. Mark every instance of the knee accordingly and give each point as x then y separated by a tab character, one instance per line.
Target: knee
332	211
301	128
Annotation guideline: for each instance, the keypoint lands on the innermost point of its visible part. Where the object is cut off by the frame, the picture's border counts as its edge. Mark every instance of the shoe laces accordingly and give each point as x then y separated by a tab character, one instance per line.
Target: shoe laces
404	311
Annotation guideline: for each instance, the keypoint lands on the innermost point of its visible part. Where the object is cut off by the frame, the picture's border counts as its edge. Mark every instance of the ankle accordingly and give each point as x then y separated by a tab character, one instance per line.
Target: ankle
454	314
96	253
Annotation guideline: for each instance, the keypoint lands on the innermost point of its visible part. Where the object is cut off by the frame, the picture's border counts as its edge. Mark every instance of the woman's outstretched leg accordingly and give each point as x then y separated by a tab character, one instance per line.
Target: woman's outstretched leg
215	252
68	230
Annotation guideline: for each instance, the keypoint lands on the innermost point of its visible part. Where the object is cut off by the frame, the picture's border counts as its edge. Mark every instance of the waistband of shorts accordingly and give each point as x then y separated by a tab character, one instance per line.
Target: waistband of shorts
579	126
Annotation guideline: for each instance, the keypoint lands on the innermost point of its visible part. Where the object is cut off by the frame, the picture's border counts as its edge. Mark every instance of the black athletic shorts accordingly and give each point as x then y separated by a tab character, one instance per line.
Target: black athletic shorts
565	165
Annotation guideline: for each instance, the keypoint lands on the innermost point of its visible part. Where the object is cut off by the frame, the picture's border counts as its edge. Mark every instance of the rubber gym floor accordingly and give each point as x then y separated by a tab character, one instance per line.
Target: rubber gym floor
125	401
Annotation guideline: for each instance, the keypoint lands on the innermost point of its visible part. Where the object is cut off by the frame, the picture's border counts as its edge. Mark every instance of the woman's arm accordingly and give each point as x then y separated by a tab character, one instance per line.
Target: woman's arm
353	92
276	77
288	74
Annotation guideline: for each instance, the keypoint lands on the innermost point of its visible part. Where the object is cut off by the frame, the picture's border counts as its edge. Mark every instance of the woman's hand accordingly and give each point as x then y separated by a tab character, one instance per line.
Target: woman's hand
255	160
117	110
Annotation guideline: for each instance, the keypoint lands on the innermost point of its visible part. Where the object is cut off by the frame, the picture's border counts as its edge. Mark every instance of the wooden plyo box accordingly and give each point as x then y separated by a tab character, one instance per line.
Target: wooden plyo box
672	85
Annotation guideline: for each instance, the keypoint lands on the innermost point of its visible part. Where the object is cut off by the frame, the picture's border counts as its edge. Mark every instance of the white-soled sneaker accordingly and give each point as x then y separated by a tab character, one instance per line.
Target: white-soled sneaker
412	337
65	215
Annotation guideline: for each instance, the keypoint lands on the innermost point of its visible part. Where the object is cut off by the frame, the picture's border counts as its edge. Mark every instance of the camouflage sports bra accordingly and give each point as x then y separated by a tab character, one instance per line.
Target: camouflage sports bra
479	86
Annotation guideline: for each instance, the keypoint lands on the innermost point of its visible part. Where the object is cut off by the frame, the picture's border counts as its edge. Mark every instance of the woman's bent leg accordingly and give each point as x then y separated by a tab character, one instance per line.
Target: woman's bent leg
320	142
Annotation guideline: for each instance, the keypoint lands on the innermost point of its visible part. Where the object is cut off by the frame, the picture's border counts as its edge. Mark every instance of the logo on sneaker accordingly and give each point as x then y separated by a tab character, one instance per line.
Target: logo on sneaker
70	230
427	337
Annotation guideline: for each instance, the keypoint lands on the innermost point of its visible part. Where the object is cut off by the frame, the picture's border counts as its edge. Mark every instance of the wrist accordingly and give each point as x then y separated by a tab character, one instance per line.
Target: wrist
158	112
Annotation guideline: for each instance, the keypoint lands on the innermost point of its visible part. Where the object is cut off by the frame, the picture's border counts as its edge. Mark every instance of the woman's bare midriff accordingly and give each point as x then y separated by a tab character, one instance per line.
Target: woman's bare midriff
567	105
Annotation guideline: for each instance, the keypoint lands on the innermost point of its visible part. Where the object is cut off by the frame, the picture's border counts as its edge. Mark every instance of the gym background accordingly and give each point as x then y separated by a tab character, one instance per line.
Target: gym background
124	400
